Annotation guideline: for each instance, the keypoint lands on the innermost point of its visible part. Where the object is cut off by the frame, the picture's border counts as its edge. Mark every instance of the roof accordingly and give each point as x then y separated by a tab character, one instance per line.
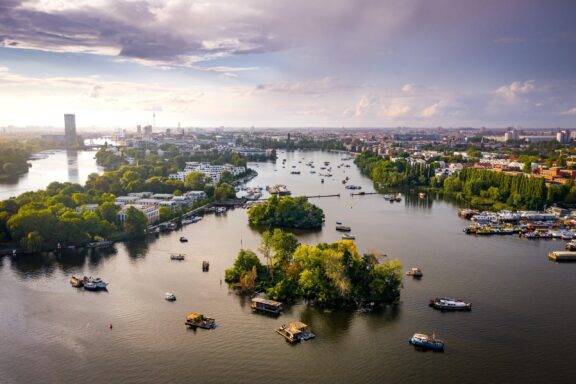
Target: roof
266	301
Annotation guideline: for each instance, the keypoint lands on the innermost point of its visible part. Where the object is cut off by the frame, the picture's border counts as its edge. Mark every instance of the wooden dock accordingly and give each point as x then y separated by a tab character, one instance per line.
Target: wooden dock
364	193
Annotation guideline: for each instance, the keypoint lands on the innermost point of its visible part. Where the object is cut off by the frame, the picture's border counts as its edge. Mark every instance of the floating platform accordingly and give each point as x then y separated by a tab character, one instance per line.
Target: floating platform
562	256
198	320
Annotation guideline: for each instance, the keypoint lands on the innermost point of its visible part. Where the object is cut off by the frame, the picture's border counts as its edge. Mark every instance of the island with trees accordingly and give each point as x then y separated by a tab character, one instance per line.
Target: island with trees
286	212
329	275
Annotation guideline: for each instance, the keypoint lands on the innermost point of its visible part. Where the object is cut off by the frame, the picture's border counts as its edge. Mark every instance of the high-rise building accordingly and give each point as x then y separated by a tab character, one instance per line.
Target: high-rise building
70	129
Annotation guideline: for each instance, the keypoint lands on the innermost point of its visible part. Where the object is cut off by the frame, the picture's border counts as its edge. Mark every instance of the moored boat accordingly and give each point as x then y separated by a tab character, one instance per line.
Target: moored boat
446	304
343	228
425	341
170	296
95	284
77	282
198	320
177	256
295	332
415	272
183	239
265	305
348	236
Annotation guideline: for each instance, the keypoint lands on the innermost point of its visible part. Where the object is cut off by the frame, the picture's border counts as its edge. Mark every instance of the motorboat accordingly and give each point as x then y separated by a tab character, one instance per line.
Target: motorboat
170	296
95	284
183	239
77	282
343	228
177	256
348	236
415	272
425	341
446	304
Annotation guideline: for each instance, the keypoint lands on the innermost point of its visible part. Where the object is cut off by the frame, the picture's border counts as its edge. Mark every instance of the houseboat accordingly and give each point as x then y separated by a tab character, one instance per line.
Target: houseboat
198	320
295	332
264	305
445	304
424	341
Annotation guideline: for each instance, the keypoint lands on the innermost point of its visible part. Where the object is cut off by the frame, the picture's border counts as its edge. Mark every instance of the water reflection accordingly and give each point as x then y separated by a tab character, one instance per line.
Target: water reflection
414	200
34	266
72	160
137	249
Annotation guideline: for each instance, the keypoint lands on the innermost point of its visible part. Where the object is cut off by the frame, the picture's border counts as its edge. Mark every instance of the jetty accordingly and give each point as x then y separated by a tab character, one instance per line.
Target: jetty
562	256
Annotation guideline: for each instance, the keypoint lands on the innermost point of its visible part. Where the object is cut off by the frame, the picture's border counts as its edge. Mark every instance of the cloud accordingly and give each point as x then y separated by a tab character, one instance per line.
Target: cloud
408	87
509	40
95	91
394	110
570	112
511	91
324	85
364	107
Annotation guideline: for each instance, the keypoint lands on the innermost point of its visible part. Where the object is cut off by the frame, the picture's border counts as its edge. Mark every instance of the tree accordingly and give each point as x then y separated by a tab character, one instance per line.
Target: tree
32	242
195	181
224	191
165	214
136	222
108	211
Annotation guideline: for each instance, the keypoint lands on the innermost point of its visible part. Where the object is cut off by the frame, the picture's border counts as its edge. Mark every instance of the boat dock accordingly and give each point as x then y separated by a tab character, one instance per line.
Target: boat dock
562	256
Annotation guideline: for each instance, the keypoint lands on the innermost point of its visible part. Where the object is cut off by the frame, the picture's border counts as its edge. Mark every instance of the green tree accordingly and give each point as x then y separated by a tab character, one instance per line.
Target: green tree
136	222
108	211
224	191
32	242
195	181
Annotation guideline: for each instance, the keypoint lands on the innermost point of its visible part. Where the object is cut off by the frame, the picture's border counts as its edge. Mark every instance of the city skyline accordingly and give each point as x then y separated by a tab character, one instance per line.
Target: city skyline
288	64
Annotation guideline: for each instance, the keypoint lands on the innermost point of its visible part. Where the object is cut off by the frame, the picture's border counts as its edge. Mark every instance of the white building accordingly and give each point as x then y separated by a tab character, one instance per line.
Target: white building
152	213
212	171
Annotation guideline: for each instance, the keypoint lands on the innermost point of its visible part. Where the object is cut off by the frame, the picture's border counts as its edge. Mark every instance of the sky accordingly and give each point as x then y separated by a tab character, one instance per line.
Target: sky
288	63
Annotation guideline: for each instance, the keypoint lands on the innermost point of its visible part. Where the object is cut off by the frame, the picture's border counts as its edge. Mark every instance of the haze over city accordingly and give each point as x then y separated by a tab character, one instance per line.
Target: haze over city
340	63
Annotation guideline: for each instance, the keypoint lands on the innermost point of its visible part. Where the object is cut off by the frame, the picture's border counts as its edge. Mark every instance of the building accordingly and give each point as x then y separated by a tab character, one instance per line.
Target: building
152	213
70	129
212	171
563	137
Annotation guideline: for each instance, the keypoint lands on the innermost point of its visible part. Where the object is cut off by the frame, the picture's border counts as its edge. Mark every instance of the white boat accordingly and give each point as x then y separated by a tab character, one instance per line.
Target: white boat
95	284
177	256
183	239
347	236
450	304
170	296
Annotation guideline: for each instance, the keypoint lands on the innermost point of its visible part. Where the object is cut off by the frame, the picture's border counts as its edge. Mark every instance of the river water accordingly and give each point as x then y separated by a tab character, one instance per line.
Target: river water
520	329
58	165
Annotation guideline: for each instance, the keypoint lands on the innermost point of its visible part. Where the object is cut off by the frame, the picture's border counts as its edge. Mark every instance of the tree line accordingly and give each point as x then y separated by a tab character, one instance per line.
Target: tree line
286	212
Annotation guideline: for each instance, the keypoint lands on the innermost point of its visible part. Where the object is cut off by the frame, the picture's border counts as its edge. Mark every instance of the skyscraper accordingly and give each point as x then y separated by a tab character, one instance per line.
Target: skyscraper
70	129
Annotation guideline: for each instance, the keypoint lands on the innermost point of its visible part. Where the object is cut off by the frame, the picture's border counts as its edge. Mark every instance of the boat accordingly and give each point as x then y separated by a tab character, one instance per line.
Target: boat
183	239
198	320
295	332
77	282
348	236
171	226
220	210
415	272
446	304
322	181
95	284
205	266
343	228
265	305
421	195
170	296
99	244
177	256
425	341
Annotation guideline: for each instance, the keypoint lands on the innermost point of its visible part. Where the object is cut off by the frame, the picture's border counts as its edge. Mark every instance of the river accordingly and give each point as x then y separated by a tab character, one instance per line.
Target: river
57	165
520	328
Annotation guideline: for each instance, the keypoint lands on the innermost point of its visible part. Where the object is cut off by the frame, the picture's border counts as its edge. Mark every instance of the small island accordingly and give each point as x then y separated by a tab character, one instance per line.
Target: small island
286	212
328	275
